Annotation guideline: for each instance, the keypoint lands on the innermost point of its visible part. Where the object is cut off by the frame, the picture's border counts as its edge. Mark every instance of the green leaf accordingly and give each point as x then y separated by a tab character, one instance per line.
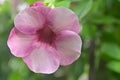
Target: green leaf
15	76
105	19
77	69
4	8
49	3
83	7
65	3
114	66
89	31
17	65
111	50
31	1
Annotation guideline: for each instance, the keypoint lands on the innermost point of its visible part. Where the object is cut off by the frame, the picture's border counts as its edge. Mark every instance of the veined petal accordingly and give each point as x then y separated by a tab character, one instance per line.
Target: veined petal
20	44
63	19
42	60
43	10
28	21
68	45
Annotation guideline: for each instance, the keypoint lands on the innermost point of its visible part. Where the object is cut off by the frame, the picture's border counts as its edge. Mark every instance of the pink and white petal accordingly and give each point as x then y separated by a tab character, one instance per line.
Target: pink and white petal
42	60
63	19
68	45
29	21
20	44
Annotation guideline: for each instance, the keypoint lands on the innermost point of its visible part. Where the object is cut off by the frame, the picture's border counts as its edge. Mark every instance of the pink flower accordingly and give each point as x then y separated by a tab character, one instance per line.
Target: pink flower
45	38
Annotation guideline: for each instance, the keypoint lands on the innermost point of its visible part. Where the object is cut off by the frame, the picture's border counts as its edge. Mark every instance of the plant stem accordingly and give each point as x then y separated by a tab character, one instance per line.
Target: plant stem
91	60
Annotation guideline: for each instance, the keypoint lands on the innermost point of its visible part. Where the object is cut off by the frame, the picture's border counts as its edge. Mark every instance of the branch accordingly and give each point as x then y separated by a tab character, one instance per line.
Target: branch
91	60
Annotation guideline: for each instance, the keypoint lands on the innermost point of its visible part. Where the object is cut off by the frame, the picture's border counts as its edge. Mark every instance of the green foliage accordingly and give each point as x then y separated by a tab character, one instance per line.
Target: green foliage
30	1
114	66
82	8
19	69
64	3
89	31
105	19
15	76
50	3
111	50
77	69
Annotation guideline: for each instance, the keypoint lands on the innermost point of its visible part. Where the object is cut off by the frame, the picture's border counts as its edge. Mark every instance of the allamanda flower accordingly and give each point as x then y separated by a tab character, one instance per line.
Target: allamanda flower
45	38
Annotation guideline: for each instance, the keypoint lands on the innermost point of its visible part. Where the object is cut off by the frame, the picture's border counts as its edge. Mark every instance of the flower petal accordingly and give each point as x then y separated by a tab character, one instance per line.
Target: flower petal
68	44
38	3
19	44
28	21
63	19
43	10
42	60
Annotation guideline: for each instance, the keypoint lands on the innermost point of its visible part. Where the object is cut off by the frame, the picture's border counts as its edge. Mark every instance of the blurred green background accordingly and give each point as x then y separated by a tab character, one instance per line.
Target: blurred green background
100	57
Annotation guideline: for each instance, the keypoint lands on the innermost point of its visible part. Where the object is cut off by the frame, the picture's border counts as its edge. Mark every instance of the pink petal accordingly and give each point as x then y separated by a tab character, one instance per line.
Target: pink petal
28	21
42	60
43	10
19	44
63	19
37	4
68	44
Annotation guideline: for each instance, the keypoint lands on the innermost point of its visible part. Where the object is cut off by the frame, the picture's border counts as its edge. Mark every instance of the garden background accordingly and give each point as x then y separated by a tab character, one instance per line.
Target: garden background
100	57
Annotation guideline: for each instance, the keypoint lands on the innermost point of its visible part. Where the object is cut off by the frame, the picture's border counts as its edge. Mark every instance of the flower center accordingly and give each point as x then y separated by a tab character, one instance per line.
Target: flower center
46	35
